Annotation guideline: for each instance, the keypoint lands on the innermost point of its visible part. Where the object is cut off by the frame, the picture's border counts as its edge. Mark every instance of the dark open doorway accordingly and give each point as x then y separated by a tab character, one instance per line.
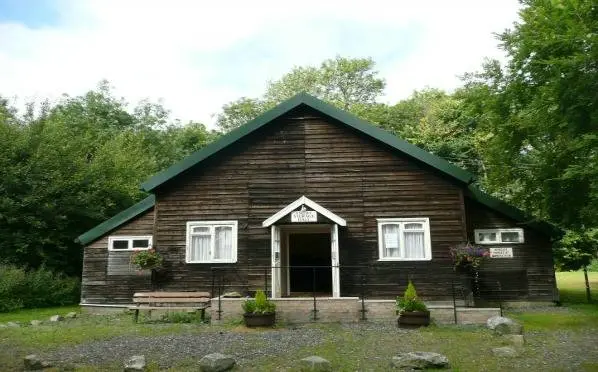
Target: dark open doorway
311	249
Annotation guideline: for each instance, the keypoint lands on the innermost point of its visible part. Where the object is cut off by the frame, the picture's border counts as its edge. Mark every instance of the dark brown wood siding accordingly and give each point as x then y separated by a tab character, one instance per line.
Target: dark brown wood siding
529	274
101	285
304	153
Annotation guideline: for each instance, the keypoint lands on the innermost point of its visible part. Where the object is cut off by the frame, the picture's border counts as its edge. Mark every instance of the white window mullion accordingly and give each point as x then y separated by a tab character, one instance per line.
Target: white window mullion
401	238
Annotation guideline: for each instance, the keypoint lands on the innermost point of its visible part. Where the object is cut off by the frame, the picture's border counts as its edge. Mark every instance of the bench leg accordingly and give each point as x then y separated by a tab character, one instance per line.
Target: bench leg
136	316
202	315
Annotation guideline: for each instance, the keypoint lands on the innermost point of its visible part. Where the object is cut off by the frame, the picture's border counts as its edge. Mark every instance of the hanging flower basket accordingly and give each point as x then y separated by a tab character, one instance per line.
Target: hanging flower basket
147	259
467	257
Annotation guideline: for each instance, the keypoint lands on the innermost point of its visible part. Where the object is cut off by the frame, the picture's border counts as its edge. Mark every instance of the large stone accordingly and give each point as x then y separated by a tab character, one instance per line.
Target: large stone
516	340
34	363
135	363
56	318
13	324
420	360
315	363
216	362
71	315
35	323
504	326
505	351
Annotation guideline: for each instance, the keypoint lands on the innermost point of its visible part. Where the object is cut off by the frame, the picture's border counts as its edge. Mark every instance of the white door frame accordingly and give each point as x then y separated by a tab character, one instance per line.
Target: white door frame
276	255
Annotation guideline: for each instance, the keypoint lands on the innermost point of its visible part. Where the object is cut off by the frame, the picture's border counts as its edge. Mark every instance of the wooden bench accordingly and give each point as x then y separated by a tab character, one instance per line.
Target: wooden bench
197	301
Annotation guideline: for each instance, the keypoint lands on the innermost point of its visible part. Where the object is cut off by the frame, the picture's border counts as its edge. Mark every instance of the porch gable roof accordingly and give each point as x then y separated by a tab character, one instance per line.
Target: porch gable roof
309	203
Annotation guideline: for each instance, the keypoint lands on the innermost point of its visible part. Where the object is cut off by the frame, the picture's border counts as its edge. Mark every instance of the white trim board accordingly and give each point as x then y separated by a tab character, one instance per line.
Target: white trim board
309	203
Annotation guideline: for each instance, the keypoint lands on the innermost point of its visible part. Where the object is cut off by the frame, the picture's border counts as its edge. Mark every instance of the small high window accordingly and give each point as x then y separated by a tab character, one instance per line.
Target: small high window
211	242
404	239
499	236
129	243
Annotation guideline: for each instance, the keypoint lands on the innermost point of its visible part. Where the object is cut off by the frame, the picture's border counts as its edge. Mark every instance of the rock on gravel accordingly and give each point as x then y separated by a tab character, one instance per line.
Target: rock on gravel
56	318
420	360
35	323
216	362
135	363
315	363
13	324
516	340
505	351
34	363
504	326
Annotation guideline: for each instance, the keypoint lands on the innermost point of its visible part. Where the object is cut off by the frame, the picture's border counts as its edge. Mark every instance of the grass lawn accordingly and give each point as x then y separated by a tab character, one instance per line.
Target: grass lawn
557	338
572	287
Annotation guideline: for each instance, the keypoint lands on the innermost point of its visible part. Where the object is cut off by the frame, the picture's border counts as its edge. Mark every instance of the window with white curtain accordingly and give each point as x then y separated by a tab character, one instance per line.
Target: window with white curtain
404	239
211	242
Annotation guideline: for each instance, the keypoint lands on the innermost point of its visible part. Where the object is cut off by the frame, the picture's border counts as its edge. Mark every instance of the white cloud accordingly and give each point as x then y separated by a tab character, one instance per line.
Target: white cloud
198	56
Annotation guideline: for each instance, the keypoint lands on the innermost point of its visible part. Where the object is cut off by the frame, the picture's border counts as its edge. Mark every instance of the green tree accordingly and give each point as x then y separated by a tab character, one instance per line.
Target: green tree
540	113
64	168
349	83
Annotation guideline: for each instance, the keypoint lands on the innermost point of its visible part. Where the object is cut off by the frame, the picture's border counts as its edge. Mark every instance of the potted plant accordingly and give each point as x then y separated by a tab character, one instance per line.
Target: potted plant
148	259
259	311
412	311
467	259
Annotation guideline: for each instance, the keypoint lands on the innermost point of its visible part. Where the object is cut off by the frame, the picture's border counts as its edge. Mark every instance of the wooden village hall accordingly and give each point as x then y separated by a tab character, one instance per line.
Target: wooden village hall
308	200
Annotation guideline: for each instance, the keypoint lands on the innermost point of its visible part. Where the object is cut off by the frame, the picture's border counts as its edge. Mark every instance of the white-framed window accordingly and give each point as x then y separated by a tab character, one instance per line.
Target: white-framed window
129	243
499	236
404	239
211	242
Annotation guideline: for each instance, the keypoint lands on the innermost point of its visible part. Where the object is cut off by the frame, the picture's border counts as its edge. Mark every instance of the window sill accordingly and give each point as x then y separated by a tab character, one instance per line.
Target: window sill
128	250
499	243
212	262
403	259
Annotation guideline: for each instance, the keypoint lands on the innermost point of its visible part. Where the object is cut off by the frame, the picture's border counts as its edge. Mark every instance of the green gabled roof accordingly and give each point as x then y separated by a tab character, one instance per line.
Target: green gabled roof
114	222
516	214
342	116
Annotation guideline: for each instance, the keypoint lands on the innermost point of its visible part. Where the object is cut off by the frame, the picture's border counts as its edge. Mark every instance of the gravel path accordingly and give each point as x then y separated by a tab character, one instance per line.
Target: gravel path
169	349
562	350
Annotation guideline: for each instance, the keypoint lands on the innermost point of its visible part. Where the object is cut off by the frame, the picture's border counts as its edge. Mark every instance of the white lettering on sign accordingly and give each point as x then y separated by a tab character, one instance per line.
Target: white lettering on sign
304	216
501	252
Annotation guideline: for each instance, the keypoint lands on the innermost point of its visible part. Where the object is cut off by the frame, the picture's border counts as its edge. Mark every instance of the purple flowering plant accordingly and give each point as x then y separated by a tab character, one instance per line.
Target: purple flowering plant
467	256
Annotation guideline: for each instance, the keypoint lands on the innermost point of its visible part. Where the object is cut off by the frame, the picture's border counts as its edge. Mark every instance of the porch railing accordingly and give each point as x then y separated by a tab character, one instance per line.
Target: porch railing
226	278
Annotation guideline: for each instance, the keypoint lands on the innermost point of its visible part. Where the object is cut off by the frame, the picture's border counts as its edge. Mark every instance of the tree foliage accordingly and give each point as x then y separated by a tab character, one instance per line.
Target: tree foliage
75	164
344	82
540	112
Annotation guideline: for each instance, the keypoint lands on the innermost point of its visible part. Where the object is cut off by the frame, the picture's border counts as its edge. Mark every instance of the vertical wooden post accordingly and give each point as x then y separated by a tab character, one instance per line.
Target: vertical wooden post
313	288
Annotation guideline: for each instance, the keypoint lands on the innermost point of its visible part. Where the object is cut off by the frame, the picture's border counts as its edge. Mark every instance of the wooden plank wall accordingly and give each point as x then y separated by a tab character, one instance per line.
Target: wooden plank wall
306	154
529	274
103	284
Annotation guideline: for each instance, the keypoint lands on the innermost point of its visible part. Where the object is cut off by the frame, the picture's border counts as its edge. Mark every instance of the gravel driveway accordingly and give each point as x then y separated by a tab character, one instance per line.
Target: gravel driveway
167	350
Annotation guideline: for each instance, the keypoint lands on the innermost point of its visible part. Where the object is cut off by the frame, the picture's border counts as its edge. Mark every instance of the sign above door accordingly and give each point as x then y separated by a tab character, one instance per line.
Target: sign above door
304	216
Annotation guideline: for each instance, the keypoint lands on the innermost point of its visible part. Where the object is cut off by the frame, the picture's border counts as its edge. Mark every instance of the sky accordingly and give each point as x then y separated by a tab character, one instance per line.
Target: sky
195	56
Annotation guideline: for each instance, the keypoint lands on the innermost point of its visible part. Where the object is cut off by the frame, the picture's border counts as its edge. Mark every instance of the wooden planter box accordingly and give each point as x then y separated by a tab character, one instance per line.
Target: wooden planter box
414	319
259	320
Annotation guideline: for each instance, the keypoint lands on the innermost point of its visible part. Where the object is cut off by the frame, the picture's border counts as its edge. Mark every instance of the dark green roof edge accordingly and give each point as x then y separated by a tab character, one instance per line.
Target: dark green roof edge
515	213
325	108
114	222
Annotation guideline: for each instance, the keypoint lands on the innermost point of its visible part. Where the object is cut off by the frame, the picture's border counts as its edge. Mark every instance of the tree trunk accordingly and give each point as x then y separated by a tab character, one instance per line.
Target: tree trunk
588	294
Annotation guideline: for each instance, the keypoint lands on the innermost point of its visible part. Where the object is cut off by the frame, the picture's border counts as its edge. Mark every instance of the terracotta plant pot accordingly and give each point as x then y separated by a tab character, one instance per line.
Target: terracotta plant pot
414	319
259	320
